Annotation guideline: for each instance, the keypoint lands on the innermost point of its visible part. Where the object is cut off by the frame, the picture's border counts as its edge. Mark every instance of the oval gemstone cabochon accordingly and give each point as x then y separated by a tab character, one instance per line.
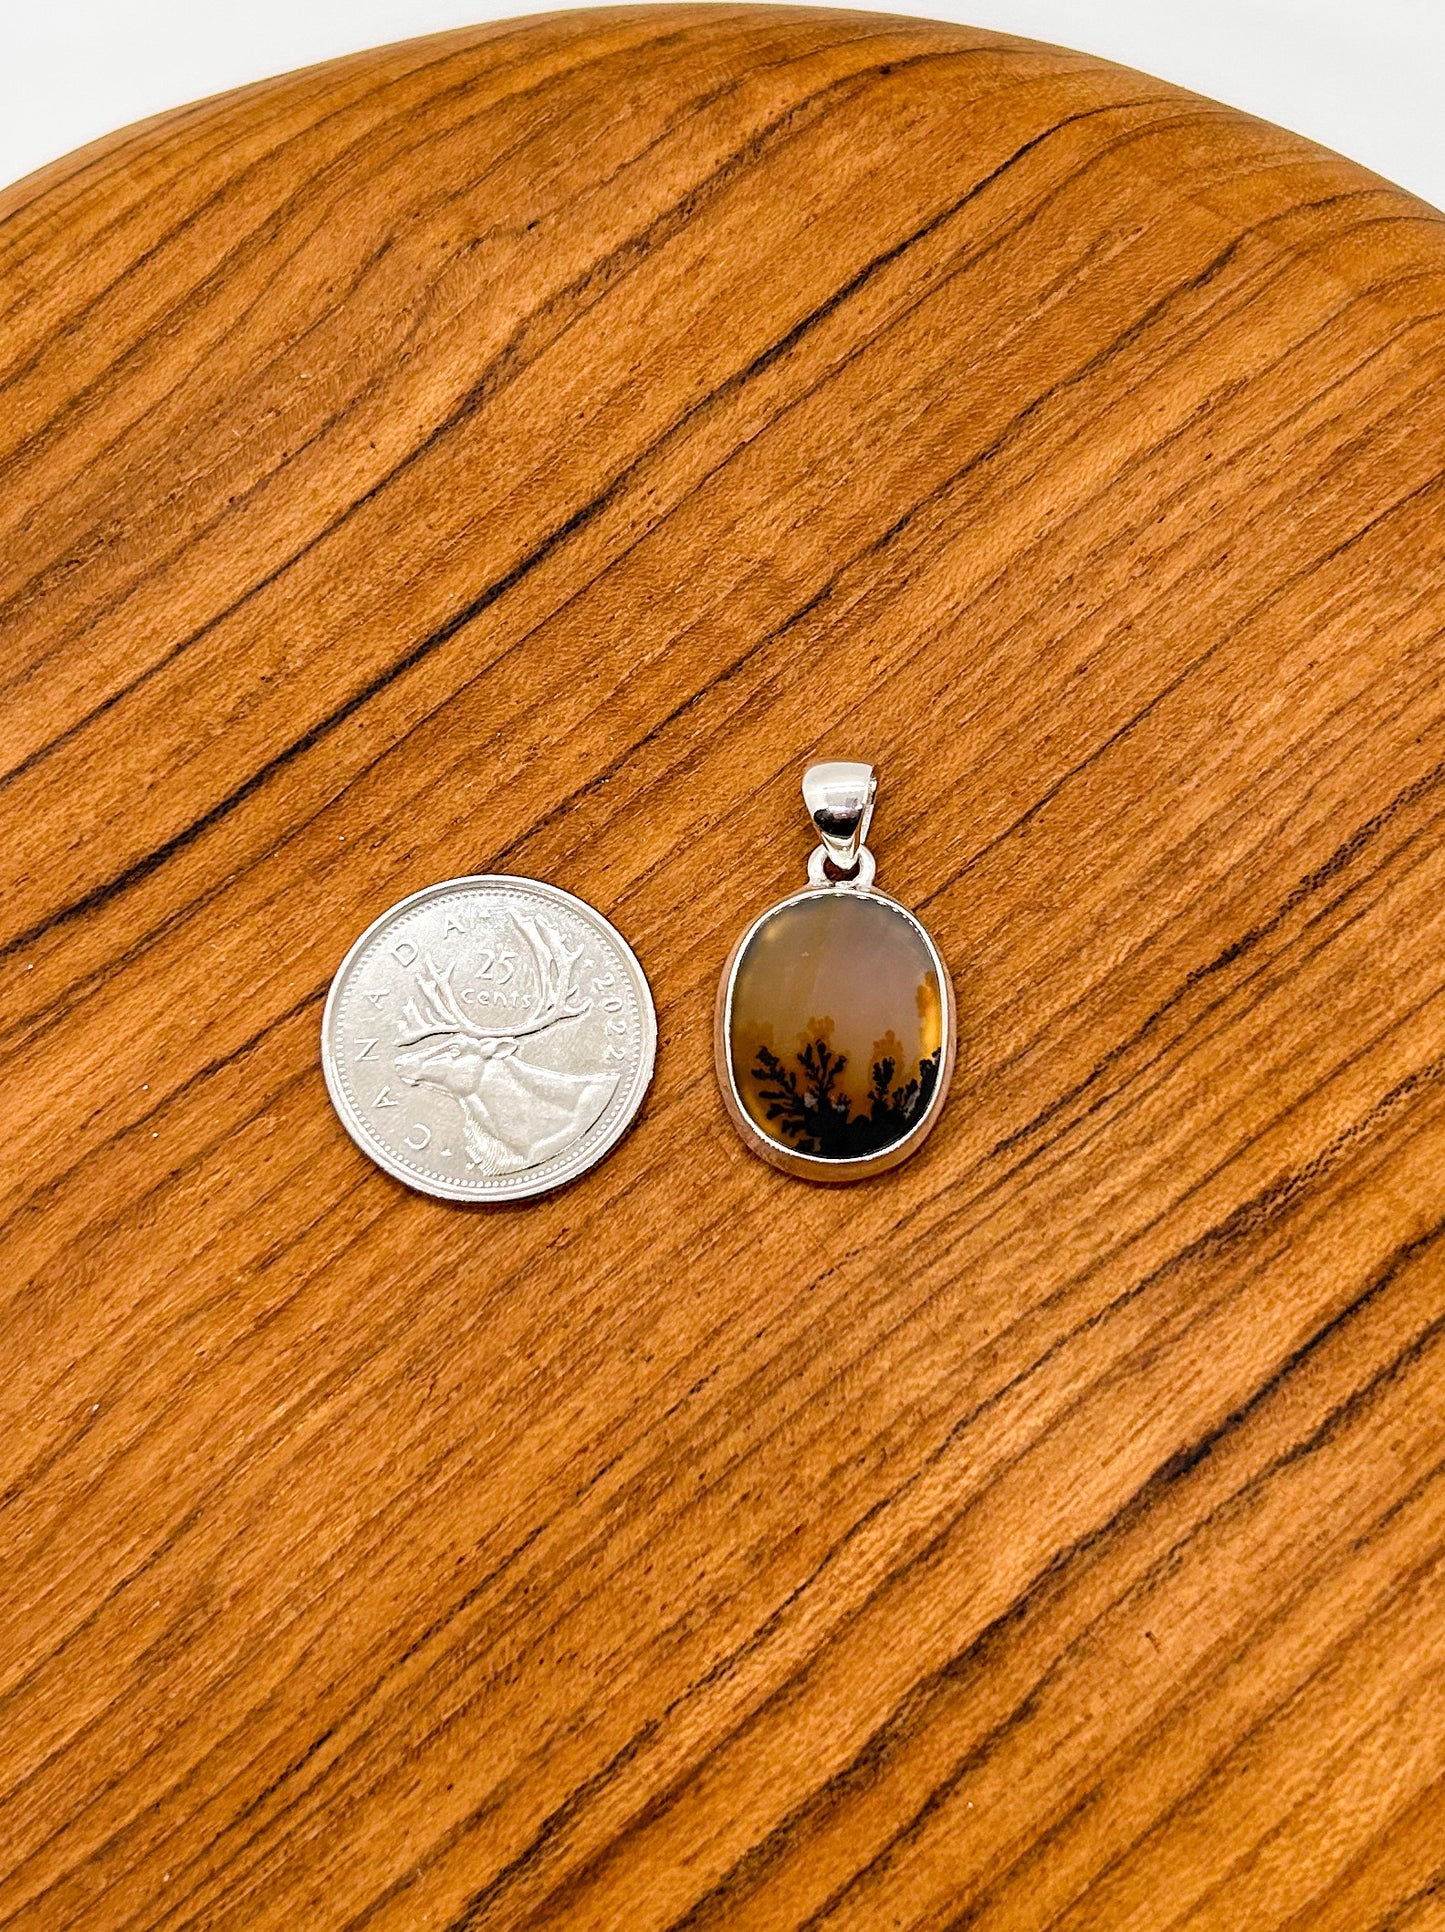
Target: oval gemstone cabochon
835	1026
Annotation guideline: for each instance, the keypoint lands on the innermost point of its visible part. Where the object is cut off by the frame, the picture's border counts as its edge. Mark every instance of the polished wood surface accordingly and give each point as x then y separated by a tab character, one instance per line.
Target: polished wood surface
525	450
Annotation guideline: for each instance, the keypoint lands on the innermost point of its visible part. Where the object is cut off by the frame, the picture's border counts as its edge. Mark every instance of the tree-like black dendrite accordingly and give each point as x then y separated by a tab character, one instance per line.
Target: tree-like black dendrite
806	1110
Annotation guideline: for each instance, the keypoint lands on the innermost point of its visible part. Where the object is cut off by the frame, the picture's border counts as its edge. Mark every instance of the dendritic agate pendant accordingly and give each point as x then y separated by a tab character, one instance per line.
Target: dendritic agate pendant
835	1018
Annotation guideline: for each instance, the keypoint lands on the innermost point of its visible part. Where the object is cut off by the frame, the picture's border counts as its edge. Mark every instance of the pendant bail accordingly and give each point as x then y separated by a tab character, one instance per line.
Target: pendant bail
839	797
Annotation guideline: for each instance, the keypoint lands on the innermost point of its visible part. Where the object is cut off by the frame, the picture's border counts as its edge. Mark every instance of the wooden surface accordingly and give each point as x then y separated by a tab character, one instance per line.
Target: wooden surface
524	449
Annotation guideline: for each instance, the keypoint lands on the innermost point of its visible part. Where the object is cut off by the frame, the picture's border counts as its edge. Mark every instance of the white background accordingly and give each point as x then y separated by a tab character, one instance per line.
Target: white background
1364	76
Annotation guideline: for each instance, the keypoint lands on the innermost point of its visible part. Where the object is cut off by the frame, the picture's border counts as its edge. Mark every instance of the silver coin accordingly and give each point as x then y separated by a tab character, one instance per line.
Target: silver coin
488	1038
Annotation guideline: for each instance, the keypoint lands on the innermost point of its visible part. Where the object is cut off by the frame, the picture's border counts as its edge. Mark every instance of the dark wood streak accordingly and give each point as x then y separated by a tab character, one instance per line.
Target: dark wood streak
733	385
690	110
134	352
1180	1463
502	371
1268	1205
510	361
507	366
294	203
1246	1219
142	868
695	1548
496	379
1178	1468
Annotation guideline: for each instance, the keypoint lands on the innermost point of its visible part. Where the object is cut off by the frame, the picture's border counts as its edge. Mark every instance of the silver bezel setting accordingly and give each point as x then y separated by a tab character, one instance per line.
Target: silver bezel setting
817	1167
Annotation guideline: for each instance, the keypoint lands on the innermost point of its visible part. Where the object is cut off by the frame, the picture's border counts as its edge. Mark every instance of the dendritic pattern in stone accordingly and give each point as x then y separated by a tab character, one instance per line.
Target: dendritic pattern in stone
835	1026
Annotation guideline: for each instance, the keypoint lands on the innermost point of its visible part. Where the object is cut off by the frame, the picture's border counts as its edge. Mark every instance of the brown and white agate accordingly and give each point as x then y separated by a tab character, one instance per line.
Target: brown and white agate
835	1033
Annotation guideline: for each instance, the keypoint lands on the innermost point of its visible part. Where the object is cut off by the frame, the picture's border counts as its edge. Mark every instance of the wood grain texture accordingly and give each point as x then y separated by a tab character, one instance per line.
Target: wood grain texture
523	450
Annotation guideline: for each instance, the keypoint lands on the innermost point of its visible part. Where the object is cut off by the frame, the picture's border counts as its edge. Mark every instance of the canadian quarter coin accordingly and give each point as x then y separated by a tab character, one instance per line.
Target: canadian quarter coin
488	1039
